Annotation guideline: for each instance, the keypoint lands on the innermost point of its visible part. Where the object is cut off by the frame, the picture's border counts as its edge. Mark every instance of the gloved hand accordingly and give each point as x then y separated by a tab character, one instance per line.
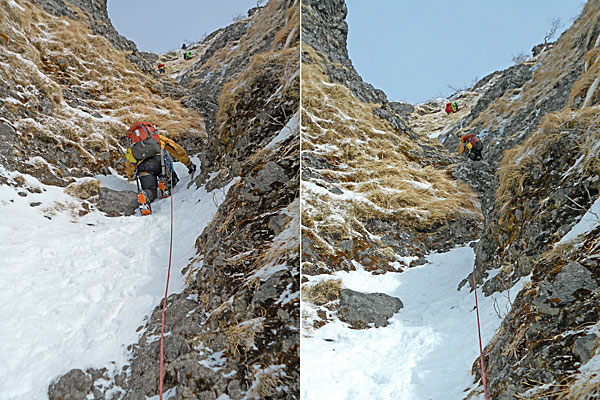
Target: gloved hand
191	168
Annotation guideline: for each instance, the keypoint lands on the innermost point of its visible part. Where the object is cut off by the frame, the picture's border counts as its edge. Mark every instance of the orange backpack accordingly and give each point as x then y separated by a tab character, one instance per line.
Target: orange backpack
144	140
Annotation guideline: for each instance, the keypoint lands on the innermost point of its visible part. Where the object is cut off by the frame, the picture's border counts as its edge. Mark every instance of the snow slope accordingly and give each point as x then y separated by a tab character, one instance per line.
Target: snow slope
426	352
74	290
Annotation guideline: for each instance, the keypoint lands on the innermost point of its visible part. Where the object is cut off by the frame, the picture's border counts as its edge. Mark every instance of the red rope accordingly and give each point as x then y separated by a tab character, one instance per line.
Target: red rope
479	331
162	329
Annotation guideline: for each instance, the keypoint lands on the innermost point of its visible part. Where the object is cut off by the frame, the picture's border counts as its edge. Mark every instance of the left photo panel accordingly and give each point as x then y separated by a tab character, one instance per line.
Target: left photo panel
149	193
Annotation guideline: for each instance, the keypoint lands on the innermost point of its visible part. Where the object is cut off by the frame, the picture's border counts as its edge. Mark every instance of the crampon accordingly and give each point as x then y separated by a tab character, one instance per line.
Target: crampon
163	185
145	208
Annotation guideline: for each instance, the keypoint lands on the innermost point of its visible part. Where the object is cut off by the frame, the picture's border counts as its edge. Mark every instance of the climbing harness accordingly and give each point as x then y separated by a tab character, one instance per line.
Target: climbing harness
162	329
479	331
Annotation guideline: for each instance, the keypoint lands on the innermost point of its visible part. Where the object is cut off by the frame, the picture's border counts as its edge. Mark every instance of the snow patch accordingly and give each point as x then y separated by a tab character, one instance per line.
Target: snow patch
586	224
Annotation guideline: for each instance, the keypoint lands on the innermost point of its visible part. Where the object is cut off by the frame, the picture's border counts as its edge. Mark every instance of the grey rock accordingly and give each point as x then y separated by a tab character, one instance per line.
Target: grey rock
115	203
571	278
335	190
269	174
346	245
584	347
74	385
366	308
278	222
8	136
175	346
272	288
234	389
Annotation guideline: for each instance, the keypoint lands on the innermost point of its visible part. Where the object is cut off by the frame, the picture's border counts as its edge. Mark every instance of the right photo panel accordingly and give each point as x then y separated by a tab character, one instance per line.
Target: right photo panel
450	212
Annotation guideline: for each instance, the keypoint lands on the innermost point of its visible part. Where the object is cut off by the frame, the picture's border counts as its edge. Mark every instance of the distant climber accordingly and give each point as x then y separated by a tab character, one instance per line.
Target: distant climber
187	55
162	68
150	165
472	146
183	47
451	107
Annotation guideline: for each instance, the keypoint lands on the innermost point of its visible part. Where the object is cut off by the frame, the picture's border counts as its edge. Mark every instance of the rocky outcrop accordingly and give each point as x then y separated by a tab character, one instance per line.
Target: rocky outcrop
362	309
257	57
546	182
96	15
324	28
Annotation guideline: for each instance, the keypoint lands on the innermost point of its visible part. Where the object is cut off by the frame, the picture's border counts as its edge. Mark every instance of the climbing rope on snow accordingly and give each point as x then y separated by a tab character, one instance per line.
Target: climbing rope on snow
162	329
479	331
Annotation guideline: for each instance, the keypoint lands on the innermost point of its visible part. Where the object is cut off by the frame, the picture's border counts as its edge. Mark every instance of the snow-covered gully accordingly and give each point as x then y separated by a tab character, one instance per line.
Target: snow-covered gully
76	289
427	350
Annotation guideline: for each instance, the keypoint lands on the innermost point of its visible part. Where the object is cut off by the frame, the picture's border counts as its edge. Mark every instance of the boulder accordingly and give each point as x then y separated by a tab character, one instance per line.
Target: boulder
362	309
552	295
117	202
72	386
584	347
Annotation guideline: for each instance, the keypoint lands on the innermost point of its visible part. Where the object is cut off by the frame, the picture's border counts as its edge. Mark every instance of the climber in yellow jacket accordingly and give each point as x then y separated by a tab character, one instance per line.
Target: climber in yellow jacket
144	158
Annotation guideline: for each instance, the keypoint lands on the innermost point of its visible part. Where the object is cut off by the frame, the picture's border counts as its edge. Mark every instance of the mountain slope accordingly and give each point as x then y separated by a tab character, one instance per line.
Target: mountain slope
71	87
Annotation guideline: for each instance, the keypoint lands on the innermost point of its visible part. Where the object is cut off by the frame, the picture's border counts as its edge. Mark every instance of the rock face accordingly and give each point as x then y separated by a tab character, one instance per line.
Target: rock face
250	58
362	309
324	29
530	122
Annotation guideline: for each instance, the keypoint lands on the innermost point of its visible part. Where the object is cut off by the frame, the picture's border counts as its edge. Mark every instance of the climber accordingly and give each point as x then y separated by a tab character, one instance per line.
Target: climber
162	68
183	46
187	55
470	145
451	107
145	164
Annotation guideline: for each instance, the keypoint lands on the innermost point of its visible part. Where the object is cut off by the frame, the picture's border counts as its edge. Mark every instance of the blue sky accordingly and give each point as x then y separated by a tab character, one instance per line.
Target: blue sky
413	50
161	26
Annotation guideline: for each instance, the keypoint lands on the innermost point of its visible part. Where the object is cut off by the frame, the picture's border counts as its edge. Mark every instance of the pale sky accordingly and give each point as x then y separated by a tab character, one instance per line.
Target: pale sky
412	50
161	26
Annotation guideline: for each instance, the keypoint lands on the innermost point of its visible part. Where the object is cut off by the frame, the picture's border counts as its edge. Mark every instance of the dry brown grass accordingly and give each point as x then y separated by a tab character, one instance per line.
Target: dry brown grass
282	65
322	292
44	54
368	157
84	190
240	337
269	383
585	388
518	161
273	17
554	65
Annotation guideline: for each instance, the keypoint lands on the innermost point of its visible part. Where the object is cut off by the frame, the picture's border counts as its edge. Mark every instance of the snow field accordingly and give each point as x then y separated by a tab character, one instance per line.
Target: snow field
426	352
74	292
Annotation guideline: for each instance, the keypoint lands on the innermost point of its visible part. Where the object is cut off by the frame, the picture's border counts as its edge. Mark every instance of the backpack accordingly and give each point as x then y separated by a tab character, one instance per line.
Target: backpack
144	140
455	106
